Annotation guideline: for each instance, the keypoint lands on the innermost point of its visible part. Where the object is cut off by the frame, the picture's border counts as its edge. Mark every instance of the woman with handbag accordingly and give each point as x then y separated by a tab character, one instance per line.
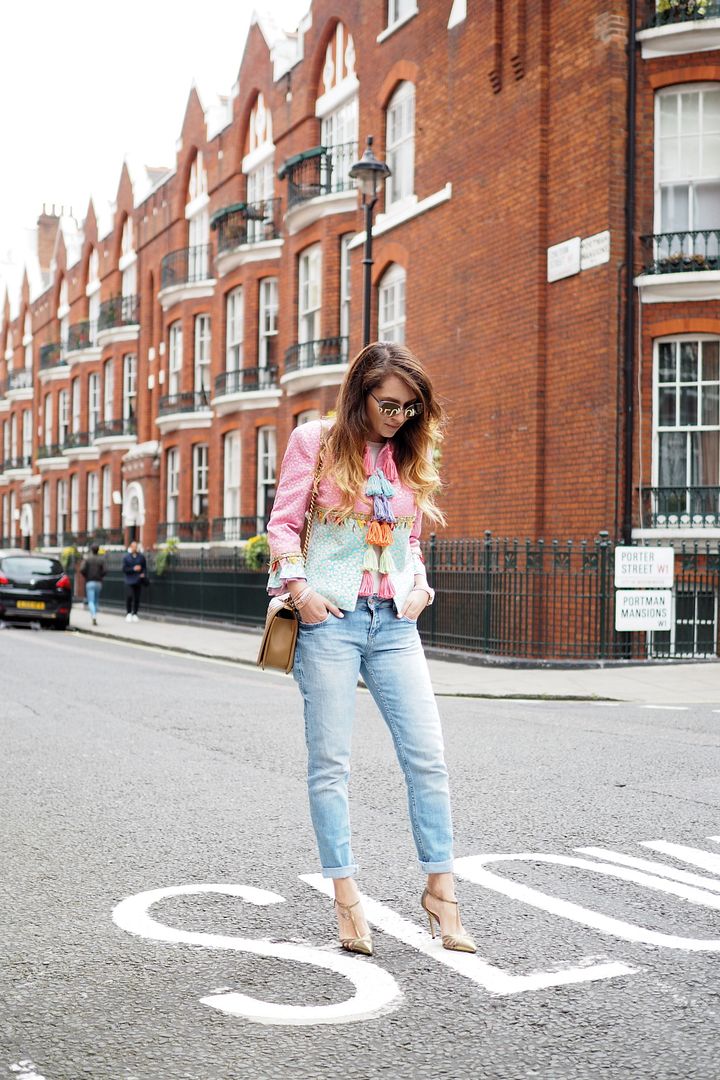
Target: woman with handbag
358	589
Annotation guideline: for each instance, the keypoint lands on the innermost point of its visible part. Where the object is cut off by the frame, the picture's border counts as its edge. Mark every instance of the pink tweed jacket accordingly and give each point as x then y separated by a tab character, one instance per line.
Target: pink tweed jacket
337	548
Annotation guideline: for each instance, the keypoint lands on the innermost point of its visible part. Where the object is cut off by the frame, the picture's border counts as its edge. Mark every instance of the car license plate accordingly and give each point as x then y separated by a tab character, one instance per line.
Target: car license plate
31	605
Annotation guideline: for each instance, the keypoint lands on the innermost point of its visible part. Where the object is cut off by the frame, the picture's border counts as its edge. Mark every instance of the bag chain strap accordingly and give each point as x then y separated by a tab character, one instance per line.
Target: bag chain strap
311	508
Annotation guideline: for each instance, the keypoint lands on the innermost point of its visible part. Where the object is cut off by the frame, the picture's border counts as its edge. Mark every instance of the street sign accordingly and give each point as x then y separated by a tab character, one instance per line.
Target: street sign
644	567
595	250
563	260
643	609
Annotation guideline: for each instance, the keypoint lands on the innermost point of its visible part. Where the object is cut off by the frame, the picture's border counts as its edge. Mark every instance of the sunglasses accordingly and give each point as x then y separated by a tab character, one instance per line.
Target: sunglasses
391	408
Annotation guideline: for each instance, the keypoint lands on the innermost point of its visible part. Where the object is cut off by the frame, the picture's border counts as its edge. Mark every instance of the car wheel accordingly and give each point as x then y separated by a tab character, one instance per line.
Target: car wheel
61	624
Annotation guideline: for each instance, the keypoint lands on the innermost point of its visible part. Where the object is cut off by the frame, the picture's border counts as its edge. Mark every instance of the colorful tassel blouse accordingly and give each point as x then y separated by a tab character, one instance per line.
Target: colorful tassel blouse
375	551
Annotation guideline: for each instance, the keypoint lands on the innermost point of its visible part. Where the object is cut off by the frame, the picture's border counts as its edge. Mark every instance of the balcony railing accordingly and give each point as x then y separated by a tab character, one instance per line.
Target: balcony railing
82	336
666	12
49	450
20	380
76	439
109	428
310	354
193	401
118	311
320	171
246	380
98	536
22	462
189	532
51	356
246	223
236	529
681	507
186	266
682	252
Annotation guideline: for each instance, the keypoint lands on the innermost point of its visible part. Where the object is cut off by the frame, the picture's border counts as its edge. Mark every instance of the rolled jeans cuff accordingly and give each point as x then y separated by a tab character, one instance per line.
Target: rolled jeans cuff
340	871
444	867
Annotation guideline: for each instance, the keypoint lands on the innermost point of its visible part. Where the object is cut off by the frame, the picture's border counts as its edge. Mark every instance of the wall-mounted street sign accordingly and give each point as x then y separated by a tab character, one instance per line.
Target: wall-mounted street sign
644	567
643	609
595	250
563	260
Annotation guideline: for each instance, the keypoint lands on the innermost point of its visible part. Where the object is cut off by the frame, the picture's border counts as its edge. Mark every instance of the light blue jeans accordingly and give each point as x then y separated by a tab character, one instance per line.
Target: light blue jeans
92	592
387	652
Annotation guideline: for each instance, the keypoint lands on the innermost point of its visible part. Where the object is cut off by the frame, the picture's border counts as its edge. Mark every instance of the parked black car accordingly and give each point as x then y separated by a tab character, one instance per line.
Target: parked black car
34	588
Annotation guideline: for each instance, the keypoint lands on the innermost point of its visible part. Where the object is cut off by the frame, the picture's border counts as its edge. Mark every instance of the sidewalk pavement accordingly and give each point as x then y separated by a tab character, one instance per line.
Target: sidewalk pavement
678	683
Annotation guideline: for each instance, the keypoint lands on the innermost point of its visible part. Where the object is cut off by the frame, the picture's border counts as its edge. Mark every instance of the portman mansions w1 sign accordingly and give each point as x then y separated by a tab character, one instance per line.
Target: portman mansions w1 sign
644	578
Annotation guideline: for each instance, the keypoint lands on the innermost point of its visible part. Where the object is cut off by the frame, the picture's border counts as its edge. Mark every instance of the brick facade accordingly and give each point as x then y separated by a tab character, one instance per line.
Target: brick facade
519	144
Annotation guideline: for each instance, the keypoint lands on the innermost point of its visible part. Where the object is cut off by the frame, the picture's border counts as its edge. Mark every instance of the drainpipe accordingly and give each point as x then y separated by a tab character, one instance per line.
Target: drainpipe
629	364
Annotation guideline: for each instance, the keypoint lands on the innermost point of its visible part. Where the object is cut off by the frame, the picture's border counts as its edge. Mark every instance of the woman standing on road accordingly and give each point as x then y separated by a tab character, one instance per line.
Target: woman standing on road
358	598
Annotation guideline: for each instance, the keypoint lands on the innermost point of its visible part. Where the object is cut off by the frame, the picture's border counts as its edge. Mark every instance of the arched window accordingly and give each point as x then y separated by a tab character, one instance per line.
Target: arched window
391	305
63	314
337	107
27	341
92	291
128	265
687	160
196	212
259	167
400	143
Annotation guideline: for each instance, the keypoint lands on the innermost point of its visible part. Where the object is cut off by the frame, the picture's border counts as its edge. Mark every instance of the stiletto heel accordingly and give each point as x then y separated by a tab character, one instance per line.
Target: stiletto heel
361	943
454	942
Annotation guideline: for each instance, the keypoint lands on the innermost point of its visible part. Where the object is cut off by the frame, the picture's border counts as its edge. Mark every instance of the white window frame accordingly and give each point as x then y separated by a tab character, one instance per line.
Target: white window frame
63	314
339	133
268	306
345	284
309	294
392	304
681	178
201	356
266	472
27	342
74	504
47	420
109	391
129	386
175	357
63	416
200	460
231	479
400	145
172	489
93	402
106	497
46	512
234	329
260	192
306	417
399	11
92	503
76	404
61	509
27	434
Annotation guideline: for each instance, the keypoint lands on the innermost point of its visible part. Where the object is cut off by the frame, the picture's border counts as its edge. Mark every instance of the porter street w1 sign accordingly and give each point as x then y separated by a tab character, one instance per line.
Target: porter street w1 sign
644	567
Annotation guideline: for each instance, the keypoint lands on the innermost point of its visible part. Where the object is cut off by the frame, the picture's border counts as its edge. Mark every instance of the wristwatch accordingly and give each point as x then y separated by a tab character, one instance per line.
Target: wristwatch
424	587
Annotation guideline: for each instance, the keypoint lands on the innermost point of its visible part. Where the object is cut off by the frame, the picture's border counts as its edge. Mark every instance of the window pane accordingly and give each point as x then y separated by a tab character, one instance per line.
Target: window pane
672	471
706	209
666	355
710	159
667	408
668	114
711	361
688	361
690	113
674	210
688	406
705	458
689	152
711	405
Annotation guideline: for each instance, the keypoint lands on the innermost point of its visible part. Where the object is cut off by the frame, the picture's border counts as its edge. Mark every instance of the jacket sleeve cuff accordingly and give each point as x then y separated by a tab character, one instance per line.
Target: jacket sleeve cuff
285	568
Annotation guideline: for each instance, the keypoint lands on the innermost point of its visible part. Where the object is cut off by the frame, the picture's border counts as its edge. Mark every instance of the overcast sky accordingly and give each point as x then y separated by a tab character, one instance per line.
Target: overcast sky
82	83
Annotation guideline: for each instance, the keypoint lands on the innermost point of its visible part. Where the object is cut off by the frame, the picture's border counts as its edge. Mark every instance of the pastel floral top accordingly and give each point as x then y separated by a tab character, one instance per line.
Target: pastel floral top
376	550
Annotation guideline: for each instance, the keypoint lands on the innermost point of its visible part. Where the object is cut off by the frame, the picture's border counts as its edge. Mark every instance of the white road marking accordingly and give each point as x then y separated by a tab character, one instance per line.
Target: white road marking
652	867
707	860
26	1070
376	991
473	868
669	708
472	966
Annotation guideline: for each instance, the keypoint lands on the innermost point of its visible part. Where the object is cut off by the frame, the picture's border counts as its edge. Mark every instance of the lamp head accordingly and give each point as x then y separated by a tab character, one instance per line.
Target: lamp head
370	172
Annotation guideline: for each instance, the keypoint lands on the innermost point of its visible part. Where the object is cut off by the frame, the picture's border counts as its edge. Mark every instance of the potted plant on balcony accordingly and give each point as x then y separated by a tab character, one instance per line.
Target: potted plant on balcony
680	10
257	552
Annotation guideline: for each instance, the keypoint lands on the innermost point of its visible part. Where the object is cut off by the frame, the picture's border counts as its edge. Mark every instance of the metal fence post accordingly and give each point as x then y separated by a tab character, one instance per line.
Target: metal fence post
602	571
202	583
433	607
487	589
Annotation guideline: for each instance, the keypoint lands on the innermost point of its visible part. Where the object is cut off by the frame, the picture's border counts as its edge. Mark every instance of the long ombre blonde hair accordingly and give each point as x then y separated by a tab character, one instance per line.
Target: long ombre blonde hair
414	443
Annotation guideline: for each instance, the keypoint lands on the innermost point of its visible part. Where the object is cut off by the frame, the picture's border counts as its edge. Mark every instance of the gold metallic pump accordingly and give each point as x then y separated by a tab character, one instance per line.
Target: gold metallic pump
359	943
454	942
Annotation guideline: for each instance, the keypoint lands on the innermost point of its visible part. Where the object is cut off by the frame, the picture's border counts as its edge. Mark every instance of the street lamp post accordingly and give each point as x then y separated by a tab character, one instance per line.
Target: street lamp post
371	174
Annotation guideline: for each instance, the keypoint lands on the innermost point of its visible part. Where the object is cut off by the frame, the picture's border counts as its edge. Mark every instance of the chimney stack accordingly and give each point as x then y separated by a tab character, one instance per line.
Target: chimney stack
47	226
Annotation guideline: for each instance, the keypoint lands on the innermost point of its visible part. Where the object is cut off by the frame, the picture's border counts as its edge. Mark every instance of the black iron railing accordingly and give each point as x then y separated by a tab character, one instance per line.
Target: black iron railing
186	266
20	380
665	12
236	529
118	311
246	380
192	401
108	428
51	355
678	252
98	536
81	336
681	507
246	223
50	450
75	439
24	461
310	354
188	532
322	170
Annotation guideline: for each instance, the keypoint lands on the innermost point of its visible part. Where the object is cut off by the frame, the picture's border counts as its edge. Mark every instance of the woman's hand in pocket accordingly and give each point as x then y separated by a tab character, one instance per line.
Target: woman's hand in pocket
316	609
415	604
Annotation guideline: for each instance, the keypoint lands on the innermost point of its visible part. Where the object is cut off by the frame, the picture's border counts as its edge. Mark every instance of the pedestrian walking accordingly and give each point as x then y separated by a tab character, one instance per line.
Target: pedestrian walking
93	569
358	595
134	568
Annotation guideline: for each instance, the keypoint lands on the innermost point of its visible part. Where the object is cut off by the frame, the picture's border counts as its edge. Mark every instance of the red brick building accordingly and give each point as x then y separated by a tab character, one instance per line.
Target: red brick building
151	368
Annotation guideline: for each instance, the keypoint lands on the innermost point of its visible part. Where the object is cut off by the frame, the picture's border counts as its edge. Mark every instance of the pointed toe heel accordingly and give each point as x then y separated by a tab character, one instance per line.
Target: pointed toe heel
361	943
457	942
